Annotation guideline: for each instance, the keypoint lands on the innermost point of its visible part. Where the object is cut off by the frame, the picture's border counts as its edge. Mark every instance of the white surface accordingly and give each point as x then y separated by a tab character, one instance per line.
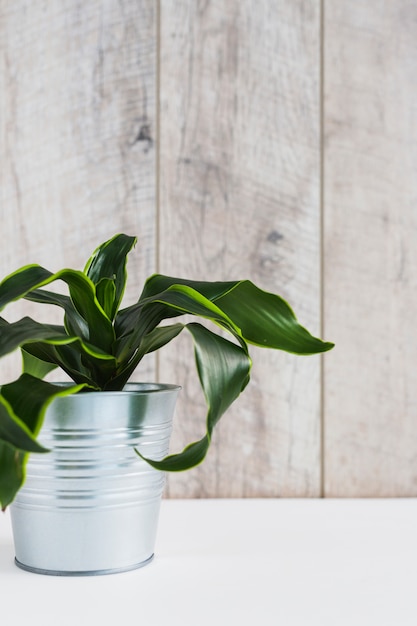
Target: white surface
238	562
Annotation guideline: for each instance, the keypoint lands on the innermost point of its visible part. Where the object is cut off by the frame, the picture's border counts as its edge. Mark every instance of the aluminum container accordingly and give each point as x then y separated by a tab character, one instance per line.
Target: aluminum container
91	505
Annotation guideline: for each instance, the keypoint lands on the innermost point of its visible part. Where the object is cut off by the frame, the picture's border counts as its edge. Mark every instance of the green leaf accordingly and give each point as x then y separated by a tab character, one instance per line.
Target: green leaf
16	439
101	333
106	295
23	404
49	297
67	357
35	366
224	370
15	432
138	320
267	320
157	283
83	362
26	330
12	475
109	262
29	397
82	292
264	319
22	281
156	339
14	335
159	337
74	323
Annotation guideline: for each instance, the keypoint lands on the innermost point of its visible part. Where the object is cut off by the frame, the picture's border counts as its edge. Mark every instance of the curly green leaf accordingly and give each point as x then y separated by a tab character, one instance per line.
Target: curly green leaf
224	369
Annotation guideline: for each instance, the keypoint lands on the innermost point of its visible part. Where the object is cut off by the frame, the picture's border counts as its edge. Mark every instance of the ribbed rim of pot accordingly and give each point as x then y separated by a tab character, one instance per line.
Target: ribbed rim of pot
129	388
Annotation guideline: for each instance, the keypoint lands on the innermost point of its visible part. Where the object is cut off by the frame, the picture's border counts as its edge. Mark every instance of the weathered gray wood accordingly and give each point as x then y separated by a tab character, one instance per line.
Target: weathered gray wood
240	197
77	143
370	251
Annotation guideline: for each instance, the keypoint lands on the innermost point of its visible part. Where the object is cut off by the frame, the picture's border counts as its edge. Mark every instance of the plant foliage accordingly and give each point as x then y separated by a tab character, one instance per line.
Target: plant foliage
99	345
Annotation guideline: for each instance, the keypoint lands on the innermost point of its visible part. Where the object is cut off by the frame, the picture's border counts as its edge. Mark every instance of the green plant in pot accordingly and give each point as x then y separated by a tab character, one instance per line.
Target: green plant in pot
78	461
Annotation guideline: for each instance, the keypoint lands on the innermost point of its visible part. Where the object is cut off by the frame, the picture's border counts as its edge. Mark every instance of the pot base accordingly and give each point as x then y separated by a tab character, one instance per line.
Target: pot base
99	572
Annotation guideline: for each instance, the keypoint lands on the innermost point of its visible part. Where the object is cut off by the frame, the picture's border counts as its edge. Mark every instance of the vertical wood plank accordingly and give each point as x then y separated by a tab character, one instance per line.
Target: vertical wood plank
370	252
240	197
77	143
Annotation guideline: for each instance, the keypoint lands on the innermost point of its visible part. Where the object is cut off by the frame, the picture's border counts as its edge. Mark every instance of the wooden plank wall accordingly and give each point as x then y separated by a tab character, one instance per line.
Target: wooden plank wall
268	140
239	167
78	84
371	259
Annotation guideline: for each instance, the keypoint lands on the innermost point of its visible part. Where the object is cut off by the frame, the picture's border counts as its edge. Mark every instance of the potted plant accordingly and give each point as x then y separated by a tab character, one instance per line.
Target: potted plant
82	463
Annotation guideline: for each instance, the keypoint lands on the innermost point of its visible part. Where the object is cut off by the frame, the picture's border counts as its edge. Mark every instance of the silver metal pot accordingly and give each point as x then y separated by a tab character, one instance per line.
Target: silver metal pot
91	505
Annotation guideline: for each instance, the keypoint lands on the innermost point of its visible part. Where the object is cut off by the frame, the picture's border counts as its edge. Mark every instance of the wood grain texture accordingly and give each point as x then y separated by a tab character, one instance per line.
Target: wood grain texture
77	143
370	251
235	193
239	198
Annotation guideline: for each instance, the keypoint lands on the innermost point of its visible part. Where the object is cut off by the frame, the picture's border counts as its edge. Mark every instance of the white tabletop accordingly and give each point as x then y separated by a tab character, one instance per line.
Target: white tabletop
241	562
